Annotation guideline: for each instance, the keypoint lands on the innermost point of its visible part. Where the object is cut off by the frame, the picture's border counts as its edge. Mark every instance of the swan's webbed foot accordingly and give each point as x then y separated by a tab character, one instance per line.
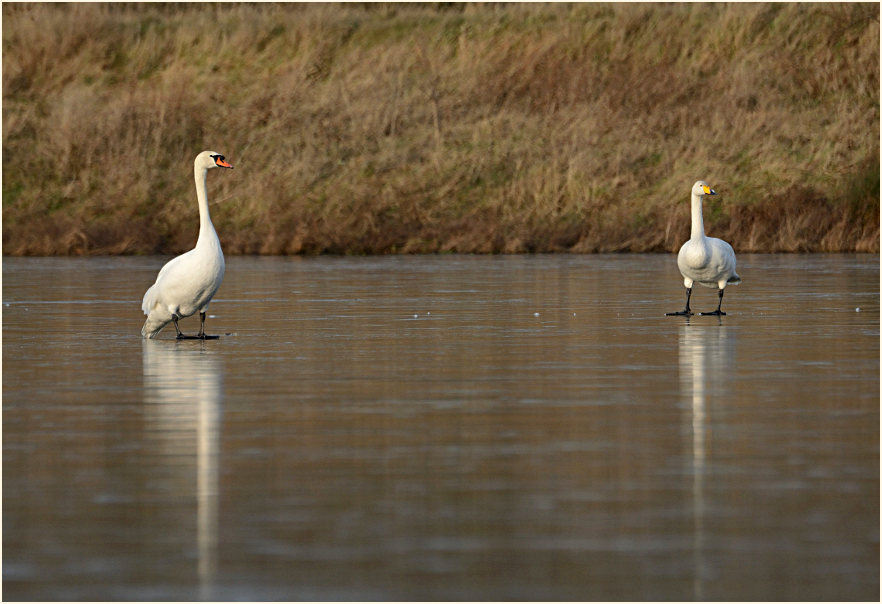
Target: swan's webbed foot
686	312
717	312
201	335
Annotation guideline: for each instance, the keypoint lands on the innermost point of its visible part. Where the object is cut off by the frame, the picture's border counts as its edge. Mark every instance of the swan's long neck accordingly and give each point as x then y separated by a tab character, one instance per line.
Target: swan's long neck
207	234
697	220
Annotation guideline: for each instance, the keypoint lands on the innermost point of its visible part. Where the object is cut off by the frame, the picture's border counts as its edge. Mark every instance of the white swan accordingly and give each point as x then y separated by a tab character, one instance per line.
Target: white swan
187	283
705	260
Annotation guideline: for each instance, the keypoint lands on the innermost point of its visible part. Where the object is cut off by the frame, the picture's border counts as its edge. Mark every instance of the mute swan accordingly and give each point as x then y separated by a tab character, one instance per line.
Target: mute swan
706	260
187	283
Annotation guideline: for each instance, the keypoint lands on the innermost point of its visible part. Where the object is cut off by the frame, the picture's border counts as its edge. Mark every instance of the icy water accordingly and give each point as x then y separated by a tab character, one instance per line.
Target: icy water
444	427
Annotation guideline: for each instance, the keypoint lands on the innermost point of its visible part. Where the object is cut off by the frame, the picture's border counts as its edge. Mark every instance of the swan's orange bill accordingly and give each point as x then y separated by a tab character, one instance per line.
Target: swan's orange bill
222	163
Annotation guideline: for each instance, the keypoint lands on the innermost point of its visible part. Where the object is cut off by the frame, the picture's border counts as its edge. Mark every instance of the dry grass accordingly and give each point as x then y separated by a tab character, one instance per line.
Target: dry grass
434	128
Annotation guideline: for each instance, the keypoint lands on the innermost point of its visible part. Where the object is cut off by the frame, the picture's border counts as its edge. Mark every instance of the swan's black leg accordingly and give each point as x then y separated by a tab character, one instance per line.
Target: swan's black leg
717	312
180	336
202	335
685	312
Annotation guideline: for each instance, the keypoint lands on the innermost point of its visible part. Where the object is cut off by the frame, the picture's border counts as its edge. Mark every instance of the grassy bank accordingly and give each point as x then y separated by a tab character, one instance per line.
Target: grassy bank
433	128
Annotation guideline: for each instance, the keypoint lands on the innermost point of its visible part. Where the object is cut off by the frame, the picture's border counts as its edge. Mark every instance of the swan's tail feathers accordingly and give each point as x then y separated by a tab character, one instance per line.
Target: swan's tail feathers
734	279
153	326
149	300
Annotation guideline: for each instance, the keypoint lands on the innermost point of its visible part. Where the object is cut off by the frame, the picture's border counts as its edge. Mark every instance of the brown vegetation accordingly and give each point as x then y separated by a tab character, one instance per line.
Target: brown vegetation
434	128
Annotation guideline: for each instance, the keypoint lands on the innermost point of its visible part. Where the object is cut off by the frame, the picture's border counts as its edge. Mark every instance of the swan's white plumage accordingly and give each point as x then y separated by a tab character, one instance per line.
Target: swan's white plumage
705	260
187	283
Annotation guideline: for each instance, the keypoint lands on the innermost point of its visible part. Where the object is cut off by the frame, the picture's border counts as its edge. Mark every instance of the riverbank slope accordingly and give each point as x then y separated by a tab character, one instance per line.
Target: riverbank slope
395	128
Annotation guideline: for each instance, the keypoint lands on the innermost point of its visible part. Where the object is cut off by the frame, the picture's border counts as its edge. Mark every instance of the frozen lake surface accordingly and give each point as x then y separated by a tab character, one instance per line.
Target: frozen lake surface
444	427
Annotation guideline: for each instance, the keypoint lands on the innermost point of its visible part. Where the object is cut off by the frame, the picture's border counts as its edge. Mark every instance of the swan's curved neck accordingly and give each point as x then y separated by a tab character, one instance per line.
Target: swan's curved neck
697	219
207	234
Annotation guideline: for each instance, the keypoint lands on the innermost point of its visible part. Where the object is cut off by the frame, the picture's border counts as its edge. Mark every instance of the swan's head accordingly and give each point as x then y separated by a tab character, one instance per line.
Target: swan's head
211	159
701	188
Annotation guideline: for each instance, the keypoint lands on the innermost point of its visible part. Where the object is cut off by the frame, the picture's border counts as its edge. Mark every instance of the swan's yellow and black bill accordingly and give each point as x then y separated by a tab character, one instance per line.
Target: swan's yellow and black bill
707	189
218	160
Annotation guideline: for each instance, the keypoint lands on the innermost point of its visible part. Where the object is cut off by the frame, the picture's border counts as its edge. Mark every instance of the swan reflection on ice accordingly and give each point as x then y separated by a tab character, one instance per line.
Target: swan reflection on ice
183	391
706	358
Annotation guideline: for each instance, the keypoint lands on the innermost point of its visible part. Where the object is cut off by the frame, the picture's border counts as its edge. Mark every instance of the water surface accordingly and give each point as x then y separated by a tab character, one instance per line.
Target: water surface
444	427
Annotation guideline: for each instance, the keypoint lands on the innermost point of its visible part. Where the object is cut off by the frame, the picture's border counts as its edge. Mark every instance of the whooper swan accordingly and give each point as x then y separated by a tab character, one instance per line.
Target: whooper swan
705	260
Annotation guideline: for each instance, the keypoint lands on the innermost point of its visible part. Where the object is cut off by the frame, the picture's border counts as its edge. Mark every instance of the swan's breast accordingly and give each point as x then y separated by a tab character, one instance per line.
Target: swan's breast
693	256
